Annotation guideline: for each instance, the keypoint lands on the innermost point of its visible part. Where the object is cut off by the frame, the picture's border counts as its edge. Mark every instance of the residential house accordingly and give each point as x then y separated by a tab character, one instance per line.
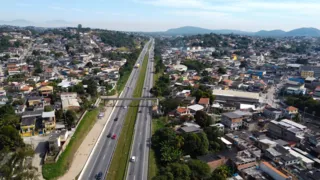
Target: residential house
272	113
204	102
232	120
291	112
45	90
182	111
244	160
189	100
47	74
48	121
69	101
27	126
190	129
34	100
26	89
287	130
183	94
273	171
306	74
194	108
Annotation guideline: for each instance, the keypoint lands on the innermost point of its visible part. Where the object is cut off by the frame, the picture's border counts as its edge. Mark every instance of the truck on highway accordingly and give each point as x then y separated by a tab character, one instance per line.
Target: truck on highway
137	65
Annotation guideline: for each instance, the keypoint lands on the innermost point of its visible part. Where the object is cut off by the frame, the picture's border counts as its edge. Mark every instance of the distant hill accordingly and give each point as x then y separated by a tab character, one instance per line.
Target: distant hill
190	30
51	23
270	33
304	32
17	22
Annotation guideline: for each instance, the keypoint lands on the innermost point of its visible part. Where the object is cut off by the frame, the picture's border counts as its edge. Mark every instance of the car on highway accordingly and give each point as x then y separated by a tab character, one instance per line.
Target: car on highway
133	159
114	136
109	135
125	107
116	119
140	111
98	176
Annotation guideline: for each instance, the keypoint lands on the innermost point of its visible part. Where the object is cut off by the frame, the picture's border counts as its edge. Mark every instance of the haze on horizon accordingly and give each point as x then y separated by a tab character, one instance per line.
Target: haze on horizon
160	15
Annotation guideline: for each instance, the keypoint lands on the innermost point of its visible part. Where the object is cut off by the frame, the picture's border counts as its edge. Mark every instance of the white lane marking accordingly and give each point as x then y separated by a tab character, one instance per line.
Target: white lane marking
97	142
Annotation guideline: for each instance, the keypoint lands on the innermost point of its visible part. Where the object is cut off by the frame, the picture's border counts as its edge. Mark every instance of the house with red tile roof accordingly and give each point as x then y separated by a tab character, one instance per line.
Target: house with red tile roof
182	111
291	112
205	102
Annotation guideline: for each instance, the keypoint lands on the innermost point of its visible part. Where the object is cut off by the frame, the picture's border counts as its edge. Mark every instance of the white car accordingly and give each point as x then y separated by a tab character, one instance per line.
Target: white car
125	107
133	159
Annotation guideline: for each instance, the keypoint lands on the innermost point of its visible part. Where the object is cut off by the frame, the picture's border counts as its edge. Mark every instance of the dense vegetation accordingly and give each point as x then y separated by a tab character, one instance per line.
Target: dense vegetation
312	106
5	44
169	148
126	69
194	65
117	39
13	151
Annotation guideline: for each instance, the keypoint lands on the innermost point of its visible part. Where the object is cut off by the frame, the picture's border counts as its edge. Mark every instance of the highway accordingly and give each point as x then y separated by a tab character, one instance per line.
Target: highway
138	170
101	156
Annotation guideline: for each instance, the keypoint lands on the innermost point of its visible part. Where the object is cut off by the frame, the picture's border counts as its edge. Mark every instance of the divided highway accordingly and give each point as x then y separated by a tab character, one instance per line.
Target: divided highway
138	170
101	156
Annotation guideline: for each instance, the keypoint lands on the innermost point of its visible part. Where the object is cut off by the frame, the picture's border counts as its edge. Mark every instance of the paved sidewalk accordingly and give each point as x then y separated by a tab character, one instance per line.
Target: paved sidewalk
82	154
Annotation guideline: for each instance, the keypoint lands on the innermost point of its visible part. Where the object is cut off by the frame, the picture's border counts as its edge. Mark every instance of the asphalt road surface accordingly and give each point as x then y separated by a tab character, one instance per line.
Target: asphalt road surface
100	158
138	170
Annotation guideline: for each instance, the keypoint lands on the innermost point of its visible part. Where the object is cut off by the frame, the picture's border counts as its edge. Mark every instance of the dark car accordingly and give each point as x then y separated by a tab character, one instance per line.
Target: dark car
98	176
116	119
109	135
140	111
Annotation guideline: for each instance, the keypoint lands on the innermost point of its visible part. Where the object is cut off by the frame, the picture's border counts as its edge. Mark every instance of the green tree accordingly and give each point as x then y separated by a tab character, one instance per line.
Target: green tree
213	135
194	65
195	144
71	117
221	173
179	171
169	153
17	102
48	109
79	28
6	109
199	170
78	88
165	134
222	70
169	105
91	86
297	118
203	119
205	73
10	138
59	114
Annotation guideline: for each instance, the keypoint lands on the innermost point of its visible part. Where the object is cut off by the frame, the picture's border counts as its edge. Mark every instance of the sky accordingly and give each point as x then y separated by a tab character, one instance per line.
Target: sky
160	15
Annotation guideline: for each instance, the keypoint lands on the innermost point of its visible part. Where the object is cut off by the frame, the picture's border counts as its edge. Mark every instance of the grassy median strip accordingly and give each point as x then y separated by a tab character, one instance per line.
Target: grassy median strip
55	170
152	166
120	158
